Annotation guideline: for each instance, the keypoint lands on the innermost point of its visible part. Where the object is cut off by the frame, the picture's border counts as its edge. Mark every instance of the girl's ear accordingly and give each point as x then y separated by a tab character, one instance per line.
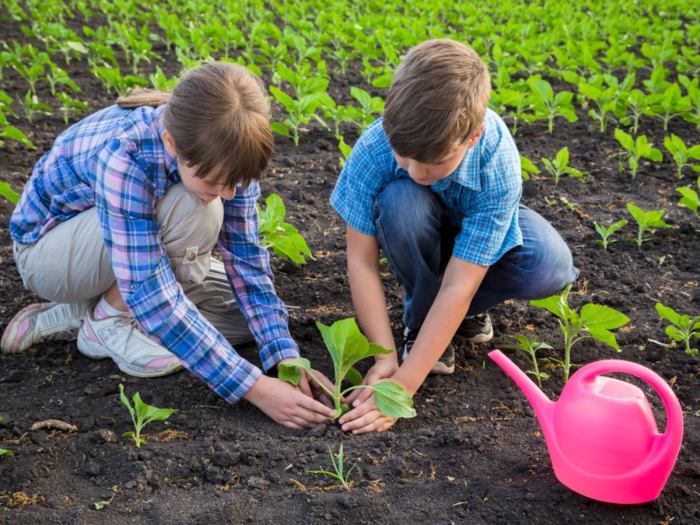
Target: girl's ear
169	142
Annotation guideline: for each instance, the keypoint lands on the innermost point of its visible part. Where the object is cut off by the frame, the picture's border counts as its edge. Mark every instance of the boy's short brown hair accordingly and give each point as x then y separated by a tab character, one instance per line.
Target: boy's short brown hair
437	100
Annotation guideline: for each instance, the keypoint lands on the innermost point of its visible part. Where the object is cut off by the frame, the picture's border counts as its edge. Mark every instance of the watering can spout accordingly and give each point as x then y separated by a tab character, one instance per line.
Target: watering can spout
541	404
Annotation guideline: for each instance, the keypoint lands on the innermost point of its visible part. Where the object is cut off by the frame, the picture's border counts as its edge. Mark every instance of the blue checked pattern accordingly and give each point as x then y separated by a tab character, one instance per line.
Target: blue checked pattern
115	160
481	195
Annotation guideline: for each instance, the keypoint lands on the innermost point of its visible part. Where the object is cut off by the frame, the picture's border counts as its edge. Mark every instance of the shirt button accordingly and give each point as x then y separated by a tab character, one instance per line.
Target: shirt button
191	256
133	286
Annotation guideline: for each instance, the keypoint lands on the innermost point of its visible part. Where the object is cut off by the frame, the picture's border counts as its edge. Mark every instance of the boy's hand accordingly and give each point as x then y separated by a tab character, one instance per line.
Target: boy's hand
287	404
366	418
384	367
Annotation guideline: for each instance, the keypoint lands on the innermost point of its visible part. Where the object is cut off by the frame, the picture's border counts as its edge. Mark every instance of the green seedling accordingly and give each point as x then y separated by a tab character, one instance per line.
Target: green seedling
546	105
4	451
7	192
284	239
637	104
113	79
101	504
347	346
682	154
683	328
517	99
635	149
690	198
559	166
647	222
300	111
594	321
527	168
370	107
530	346
70	106
142	414
668	104
33	106
338	465
604	91
606	232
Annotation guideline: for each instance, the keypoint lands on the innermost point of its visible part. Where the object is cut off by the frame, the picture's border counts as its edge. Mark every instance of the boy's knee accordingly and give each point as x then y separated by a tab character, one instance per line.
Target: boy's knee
556	271
404	207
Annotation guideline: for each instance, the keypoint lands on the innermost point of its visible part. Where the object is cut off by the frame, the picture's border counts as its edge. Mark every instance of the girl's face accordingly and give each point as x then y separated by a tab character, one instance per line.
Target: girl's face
427	174
207	190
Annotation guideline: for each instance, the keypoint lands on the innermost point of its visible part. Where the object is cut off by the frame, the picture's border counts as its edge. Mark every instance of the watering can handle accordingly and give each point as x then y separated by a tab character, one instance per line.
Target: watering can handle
674	414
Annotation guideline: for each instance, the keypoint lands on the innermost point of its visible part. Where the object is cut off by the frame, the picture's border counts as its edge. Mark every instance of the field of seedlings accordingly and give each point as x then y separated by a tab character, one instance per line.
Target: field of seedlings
603	100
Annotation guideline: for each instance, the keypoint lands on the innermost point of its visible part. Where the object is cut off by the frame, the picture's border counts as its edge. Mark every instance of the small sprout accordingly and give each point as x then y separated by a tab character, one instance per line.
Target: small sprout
594	321
527	168
99	505
338	464
682	154
647	221
689	198
560	166
284	239
635	149
7	192
347	345
4	451
606	232
530	346
682	328
142	414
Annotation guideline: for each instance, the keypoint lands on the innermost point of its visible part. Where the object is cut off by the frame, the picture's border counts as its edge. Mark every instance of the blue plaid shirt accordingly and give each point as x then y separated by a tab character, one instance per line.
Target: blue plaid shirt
481	195
115	160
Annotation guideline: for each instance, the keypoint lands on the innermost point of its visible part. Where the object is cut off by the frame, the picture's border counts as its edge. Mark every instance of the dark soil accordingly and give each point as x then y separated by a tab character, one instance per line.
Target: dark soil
474	453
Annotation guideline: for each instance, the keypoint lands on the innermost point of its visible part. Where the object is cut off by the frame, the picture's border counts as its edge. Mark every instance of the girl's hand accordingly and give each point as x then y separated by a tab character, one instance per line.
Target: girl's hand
366	418
286	404
384	368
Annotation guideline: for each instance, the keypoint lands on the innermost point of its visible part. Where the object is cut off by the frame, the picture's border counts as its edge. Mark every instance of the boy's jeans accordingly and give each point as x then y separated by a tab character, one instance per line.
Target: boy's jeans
417	239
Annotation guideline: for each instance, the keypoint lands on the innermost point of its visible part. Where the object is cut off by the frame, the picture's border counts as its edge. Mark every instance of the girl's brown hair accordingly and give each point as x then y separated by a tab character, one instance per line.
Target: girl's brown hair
219	119
437	100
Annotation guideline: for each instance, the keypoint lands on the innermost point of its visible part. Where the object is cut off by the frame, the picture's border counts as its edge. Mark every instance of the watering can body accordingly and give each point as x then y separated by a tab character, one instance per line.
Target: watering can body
601	434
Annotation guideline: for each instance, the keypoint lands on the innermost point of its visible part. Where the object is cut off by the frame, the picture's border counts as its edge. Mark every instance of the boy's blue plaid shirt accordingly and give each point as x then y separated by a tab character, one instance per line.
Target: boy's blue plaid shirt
481	195
115	160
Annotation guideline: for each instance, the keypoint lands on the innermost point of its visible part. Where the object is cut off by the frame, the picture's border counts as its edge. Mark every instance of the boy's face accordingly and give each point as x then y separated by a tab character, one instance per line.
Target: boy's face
426	174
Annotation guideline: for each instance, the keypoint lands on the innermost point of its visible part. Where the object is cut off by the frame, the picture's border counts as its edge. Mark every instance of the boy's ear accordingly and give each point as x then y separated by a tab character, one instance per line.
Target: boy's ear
476	136
169	142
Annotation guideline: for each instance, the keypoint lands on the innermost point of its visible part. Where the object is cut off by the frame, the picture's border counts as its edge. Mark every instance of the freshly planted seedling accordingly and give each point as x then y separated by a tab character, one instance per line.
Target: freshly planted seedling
546	105
7	192
70	106
530	346
690	198
594	321
527	168
559	166
338	465
647	222
347	346
635	150
606	232
5	452
682	154
683	328
284	239
142	414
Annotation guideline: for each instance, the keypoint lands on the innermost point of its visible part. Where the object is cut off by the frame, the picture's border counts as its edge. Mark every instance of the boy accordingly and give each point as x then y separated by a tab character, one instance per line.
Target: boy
436	184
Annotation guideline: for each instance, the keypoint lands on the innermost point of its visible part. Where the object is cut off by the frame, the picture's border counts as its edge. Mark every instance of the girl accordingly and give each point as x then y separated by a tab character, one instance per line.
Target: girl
116	225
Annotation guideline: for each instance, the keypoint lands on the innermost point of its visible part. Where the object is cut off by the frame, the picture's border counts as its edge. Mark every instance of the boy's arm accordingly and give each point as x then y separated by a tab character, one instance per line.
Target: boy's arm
459	285
370	306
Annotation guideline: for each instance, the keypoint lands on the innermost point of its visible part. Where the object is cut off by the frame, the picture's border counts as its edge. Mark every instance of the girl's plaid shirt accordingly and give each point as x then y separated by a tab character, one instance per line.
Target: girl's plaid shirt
115	160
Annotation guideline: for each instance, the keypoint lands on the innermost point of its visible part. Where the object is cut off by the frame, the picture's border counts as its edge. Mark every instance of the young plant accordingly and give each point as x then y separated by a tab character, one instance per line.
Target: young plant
527	168
560	166
142	414
338	465
300	111
682	154
606	232
690	198
284	239
647	222
7	192
531	346
546	105
5	452
605	93
347	346
70	106
594	321
635	150
370	107
668	104
683	328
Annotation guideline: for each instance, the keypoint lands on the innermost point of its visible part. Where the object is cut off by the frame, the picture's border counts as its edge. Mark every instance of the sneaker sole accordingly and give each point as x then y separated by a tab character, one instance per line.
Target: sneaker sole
479	338
13	326
95	351
438	369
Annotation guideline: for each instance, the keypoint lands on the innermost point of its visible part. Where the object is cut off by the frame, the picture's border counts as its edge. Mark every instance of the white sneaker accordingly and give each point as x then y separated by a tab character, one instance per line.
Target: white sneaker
121	339
40	322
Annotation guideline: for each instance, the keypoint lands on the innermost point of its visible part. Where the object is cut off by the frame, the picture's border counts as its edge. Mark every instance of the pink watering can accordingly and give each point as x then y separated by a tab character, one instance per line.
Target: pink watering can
601	434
